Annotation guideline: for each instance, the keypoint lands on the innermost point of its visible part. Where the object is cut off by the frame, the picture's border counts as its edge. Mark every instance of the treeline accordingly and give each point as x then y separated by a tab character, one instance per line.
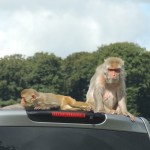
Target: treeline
70	76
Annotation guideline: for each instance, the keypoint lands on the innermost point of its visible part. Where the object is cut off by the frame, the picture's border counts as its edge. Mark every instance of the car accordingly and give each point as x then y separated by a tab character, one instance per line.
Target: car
71	130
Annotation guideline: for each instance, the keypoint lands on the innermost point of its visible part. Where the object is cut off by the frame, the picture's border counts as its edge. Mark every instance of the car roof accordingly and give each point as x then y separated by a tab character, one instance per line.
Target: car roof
24	118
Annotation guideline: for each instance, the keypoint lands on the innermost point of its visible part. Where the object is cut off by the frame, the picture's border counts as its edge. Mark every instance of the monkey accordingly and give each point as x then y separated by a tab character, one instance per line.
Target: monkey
107	88
39	100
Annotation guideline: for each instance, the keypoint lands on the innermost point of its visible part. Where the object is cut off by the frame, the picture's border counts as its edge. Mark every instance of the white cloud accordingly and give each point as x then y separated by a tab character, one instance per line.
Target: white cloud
65	26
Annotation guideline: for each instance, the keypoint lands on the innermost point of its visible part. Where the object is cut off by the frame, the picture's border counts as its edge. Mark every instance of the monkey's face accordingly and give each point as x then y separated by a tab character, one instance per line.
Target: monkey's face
112	75
28	99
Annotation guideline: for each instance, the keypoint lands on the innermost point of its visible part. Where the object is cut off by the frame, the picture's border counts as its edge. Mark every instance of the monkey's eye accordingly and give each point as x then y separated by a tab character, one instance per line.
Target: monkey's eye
115	70
24	99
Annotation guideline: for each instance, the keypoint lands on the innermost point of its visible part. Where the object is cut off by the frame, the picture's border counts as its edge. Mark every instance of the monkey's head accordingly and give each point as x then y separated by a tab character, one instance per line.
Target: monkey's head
113	70
29	96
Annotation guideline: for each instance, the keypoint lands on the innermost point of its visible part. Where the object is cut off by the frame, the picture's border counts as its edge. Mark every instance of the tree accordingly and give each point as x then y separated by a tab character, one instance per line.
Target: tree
45	74
78	69
12	76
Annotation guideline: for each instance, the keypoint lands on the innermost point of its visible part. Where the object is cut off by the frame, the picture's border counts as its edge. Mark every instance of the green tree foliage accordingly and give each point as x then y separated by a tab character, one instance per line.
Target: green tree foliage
12	76
78	69
45	72
143	82
127	51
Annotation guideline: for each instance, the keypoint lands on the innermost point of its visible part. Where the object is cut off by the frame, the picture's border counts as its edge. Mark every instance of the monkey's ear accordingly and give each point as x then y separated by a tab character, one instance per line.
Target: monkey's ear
33	97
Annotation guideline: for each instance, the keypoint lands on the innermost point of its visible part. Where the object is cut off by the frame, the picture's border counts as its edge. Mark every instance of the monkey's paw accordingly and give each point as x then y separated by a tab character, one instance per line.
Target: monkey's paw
112	111
41	108
88	107
132	117
37	108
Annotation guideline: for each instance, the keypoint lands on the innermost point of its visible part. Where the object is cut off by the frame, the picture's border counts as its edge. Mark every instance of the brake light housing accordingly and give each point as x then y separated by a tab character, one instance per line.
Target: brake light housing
66	116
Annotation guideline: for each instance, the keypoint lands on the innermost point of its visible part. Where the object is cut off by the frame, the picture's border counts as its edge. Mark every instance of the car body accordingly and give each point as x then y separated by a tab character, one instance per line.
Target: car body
71	130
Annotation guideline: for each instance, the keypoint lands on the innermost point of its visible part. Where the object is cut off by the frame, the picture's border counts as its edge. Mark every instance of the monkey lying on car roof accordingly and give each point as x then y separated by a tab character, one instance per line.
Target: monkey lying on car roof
39	100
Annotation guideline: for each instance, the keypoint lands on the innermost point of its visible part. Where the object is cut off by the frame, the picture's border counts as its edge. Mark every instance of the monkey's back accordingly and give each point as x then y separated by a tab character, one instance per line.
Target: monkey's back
50	99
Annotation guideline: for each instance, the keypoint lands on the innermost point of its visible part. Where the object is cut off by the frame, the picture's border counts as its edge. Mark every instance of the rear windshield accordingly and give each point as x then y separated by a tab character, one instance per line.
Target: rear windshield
56	138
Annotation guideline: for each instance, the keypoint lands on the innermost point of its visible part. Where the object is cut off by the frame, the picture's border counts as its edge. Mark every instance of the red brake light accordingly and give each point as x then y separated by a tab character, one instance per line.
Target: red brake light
69	114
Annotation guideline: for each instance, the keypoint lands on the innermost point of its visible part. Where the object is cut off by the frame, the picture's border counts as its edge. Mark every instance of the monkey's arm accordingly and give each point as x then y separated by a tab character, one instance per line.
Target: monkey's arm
98	98
121	95
124	110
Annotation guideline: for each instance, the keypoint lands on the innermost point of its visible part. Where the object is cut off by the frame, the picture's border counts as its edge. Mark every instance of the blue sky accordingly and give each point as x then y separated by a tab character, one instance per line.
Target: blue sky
63	27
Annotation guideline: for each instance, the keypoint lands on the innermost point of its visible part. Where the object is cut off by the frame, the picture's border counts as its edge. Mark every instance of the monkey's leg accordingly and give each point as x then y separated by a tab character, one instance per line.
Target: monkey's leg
118	110
82	105
109	111
65	104
68	107
75	105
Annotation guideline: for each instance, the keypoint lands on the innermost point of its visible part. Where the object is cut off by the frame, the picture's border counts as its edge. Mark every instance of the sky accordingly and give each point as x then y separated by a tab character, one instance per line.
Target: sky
64	27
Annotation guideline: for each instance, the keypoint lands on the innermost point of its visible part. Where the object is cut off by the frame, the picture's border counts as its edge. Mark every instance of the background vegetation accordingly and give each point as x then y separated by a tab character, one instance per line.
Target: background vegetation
70	76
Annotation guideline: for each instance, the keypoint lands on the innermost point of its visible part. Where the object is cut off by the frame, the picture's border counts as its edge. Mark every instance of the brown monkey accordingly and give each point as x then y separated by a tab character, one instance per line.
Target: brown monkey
107	88
38	100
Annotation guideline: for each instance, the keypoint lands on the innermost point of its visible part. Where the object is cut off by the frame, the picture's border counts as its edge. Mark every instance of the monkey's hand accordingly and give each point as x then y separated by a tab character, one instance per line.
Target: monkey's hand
130	116
40	108
37	107
112	111
87	107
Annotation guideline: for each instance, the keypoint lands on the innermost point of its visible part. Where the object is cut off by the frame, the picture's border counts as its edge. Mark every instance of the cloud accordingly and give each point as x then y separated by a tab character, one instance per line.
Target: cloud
63	27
